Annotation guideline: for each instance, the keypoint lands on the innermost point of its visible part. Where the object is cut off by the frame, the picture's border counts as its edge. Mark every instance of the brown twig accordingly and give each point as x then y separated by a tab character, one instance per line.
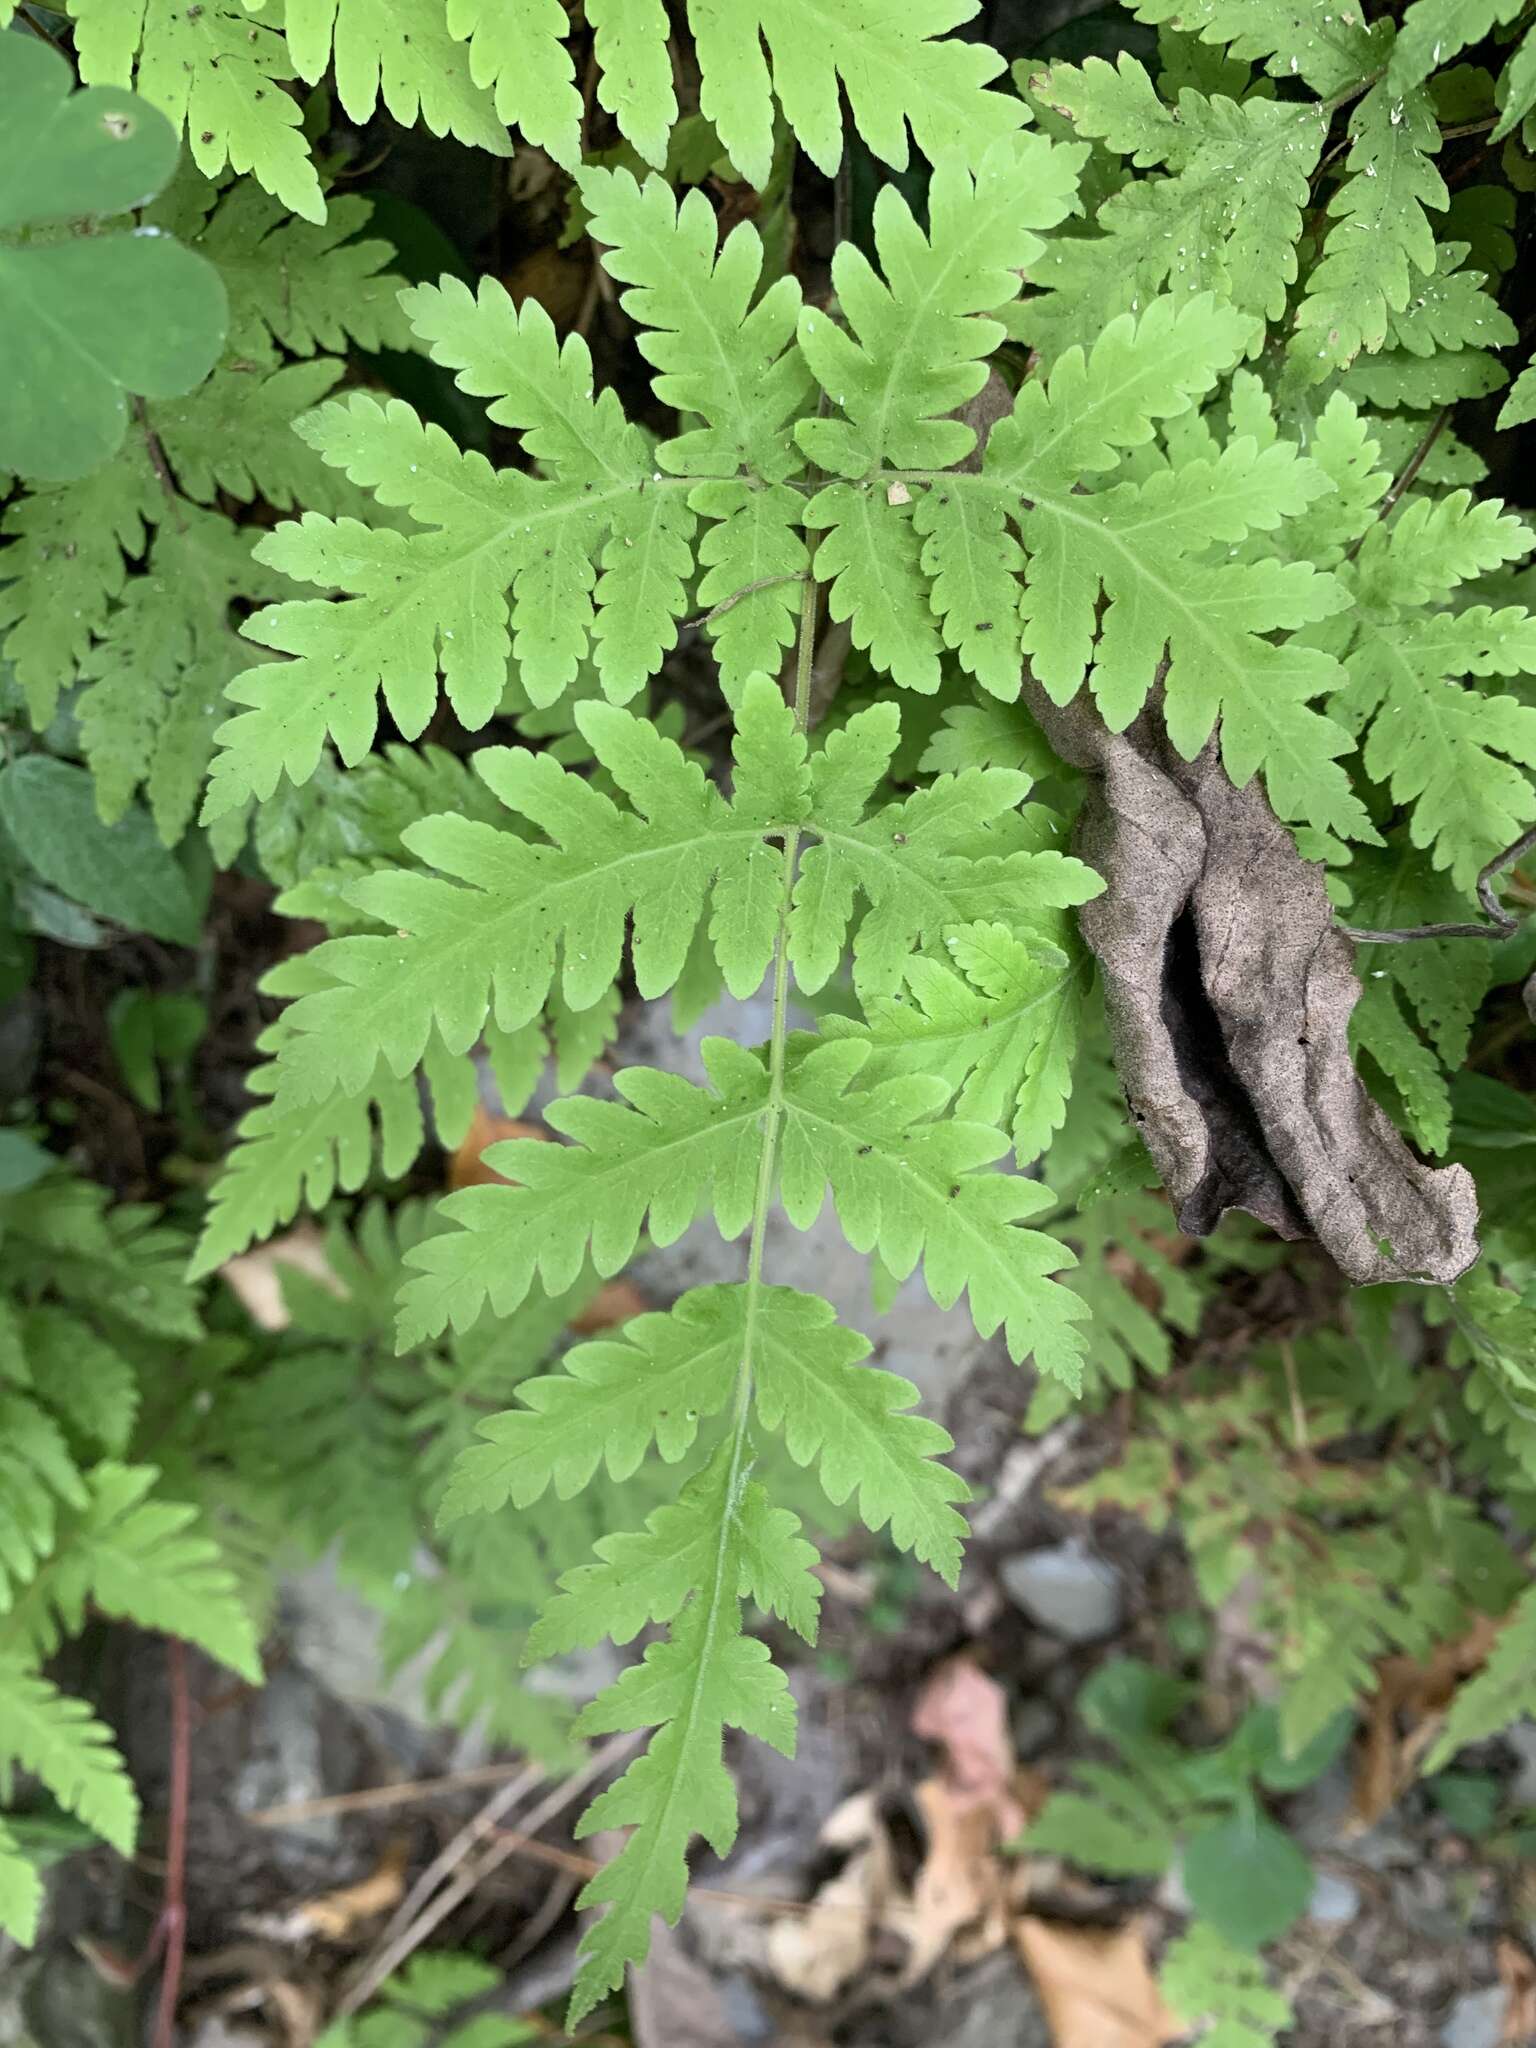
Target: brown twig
373	1797
1401	482
388	1958
1505	923
458	1846
173	1910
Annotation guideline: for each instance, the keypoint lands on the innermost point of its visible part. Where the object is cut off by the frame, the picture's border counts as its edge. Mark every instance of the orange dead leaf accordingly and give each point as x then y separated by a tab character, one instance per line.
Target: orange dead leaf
466	1167
1517	1973
332	1916
1097	1987
1405	1713
614	1302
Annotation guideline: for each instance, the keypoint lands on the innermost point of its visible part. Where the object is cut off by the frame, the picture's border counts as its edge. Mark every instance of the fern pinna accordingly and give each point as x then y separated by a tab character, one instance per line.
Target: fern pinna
1214	496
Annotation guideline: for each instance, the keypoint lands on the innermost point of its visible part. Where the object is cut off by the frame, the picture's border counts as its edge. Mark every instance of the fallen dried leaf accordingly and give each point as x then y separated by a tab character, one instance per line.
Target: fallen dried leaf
1517	1973
819	1951
966	1713
614	1302
1097	1988
256	1280
1405	1713
334	1915
466	1166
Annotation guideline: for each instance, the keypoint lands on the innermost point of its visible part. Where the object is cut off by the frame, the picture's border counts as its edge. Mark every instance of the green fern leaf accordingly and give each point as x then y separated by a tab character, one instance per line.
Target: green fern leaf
88	1382
400	57
1519	409
21	1891
691	1566
1144	546
217	74
299	1154
1378	1024
1501	1693
670	1371
303	284
1125	1822
1001	1030
888	59
904	1187
48	1733
530	901
156	675
38	1476
1225	219
138	1559
65	568
1328	46
1448	749
1381	235
1210	1983
920	334
612	1400
1434	31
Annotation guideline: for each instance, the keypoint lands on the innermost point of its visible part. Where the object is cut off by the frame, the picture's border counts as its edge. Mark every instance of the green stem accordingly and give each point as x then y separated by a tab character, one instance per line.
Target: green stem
772	1118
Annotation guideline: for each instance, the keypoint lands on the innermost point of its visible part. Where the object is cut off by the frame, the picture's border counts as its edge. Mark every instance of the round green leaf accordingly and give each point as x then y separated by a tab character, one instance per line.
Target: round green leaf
86	321
1248	1878
120	871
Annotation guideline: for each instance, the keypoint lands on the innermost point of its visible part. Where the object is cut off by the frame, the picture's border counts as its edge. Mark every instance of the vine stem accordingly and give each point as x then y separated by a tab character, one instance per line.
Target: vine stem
173	1913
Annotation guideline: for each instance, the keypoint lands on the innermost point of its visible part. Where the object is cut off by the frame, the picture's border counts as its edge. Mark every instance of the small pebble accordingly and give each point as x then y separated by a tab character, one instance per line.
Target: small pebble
1477	2019
1067	1591
1334	1900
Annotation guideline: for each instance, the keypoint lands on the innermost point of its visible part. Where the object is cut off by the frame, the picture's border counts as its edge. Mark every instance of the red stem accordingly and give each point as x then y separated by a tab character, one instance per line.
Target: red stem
173	1913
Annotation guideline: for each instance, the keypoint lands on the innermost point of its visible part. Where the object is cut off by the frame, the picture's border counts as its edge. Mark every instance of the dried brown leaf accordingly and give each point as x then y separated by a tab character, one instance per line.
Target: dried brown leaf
255	1277
1097	1987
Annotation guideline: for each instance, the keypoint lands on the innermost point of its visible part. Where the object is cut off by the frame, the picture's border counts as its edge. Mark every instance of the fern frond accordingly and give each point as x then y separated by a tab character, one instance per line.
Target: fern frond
670	1372
216	74
304	285
1000	1027
919	335
460	951
88	1382
1329	47
903	1186
1211	1983
1225	218
1451	751
21	1891
57	1738
1381	242
65	568
1501	1693
1143	546
691	1566
138	1559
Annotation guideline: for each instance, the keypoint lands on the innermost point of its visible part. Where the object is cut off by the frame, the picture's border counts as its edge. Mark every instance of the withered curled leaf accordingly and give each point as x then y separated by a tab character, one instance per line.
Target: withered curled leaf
1228	989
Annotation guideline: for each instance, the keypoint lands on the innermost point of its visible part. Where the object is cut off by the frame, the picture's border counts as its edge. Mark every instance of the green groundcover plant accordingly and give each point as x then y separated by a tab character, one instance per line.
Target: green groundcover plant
1249	287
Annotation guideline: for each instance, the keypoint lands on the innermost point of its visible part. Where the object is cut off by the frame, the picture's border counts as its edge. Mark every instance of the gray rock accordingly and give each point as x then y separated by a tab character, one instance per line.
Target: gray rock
53	1998
1476	2019
1334	1900
284	1766
1522	1740
1066	1590
992	2006
1034	1728
1320	1812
